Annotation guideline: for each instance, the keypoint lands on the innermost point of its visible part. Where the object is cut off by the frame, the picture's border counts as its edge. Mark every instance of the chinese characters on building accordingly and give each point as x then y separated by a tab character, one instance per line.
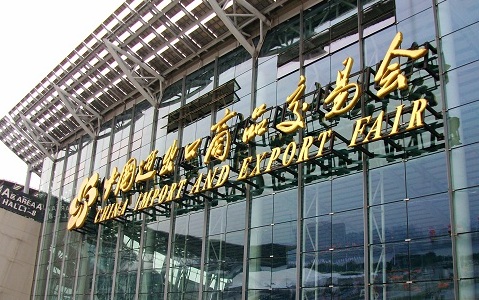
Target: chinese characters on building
342	99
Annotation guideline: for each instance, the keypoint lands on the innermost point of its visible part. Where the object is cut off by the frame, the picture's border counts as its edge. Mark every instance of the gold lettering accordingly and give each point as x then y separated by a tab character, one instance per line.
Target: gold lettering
138	201
389	76
181	185
148	199
196	187
127	177
112	211
303	153
225	171
167	166
359	129
243	173
105	212
397	119
144	200
290	150
156	192
108	186
323	136
417	119
275	152
98	216
209	179
119	210
171	192
191	150
257	169
297	107
219	147
163	194
339	96
376	128
146	169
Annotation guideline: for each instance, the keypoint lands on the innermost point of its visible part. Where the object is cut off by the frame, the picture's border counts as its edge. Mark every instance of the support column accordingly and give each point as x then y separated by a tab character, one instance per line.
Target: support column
26	187
462	249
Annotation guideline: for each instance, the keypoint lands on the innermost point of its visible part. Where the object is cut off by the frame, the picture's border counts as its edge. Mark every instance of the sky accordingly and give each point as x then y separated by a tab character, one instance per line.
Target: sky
35	36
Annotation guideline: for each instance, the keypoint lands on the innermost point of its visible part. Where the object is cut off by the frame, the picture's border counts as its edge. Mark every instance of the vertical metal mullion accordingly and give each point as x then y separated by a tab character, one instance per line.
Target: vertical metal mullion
100	227
140	259
132	130
207	207
65	243
60	283
97	253
77	271
204	243
450	191
364	159
119	238
154	131
173	205
68	232
90	168
120	233
300	184
74	187
154	124
45	218
55	226
246	241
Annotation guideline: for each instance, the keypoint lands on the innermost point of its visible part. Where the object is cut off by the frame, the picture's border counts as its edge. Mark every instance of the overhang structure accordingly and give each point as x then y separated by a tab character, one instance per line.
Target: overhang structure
134	54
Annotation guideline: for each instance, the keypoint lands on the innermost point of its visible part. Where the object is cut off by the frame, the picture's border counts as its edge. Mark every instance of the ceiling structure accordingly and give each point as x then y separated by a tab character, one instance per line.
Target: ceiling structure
127	57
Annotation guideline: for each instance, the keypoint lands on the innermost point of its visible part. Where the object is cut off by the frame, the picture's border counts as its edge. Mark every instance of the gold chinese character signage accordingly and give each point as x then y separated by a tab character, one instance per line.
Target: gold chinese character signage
156	181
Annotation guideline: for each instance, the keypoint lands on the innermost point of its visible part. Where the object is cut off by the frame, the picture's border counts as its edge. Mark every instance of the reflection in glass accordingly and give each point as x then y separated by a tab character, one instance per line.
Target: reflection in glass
428	217
463	127
460	47
465	166
426	175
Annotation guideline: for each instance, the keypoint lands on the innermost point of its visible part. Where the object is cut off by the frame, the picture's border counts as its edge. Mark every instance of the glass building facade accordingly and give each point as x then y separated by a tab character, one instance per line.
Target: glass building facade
396	218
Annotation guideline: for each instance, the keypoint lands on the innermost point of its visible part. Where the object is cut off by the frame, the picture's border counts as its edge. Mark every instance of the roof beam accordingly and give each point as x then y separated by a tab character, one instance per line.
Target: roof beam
116	51
254	11
33	134
75	107
231	27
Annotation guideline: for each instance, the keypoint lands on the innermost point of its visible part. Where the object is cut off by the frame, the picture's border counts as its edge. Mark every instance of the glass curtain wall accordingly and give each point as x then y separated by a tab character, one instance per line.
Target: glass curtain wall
457	23
395	219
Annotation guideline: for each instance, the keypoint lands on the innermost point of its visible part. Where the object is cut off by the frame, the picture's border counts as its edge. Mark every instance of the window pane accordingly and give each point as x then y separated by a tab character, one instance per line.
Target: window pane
465	166
388	222
262	211
317	233
466	210
235	214
455	14
387	184
317	199
463	127
428	217
347	229
431	259
426	175
461	85
348	192
461	48
285	206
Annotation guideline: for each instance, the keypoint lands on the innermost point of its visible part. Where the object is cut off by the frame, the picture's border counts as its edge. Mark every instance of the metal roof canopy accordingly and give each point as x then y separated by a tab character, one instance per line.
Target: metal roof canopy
127	57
